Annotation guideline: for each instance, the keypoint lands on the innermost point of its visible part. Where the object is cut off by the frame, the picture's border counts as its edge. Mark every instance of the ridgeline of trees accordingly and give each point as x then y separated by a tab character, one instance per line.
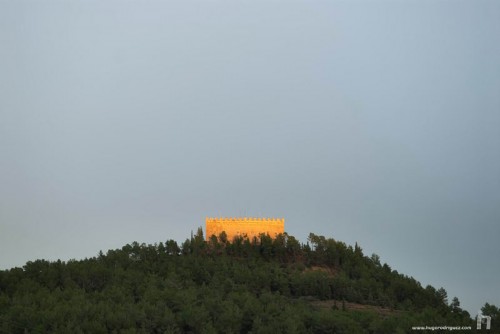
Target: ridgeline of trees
262	285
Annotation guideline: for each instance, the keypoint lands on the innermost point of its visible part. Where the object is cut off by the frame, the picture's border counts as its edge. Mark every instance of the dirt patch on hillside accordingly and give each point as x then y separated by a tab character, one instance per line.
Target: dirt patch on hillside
330	303
330	271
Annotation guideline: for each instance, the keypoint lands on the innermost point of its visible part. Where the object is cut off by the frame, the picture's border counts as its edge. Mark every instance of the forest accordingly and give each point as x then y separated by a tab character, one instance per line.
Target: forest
264	285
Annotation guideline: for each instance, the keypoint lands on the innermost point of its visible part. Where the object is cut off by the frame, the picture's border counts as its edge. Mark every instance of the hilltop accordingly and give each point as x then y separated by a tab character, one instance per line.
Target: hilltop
262	285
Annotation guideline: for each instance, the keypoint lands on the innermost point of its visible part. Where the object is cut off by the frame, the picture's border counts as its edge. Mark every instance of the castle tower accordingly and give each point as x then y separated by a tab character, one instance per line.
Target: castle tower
243	226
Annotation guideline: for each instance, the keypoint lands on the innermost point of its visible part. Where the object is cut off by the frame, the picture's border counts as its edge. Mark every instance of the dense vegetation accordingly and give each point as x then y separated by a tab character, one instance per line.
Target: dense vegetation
243	286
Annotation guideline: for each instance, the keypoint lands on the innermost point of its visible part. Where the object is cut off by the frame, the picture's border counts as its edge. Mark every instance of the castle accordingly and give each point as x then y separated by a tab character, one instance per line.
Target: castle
243	226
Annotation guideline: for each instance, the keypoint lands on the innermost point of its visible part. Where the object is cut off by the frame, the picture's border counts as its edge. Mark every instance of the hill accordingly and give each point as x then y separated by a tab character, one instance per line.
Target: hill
262	285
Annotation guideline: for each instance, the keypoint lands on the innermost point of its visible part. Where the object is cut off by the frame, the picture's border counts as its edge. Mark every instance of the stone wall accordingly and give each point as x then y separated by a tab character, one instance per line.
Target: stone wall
244	226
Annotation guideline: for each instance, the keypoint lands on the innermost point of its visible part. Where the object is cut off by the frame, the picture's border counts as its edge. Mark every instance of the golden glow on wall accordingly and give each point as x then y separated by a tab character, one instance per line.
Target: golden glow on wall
244	226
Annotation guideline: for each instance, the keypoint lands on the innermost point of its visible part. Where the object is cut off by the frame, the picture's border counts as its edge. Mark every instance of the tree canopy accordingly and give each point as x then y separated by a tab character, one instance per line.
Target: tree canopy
263	285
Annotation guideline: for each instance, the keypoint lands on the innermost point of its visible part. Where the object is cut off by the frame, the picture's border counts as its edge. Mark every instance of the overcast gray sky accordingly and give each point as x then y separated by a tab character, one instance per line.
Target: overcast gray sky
368	121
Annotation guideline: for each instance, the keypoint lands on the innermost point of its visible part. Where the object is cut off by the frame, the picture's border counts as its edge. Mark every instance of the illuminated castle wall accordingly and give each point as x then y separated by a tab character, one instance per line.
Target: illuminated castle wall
245	226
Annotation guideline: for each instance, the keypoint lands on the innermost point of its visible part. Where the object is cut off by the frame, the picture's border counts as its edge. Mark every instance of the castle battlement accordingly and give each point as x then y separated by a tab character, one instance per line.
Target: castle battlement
245	219
243	226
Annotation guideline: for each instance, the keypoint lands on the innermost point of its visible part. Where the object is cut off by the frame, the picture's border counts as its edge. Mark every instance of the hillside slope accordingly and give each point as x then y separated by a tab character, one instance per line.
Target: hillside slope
217	286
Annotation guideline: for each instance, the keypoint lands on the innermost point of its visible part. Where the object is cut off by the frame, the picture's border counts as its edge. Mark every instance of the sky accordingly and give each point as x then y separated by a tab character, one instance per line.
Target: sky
374	122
